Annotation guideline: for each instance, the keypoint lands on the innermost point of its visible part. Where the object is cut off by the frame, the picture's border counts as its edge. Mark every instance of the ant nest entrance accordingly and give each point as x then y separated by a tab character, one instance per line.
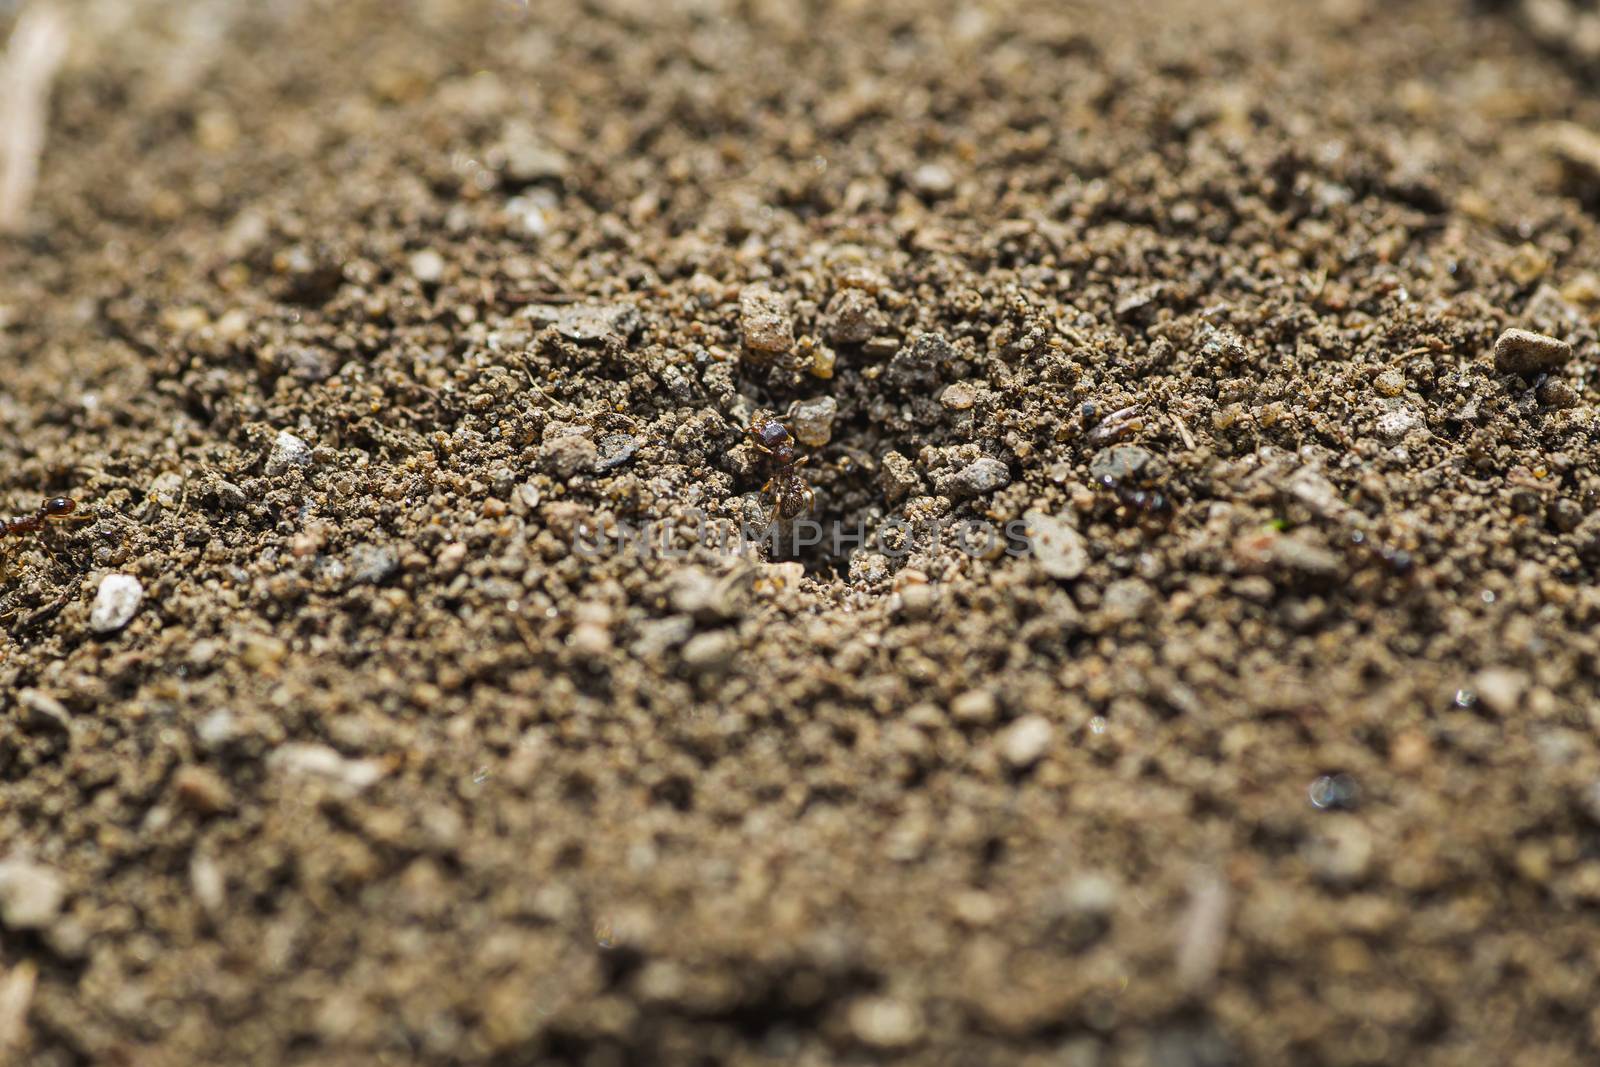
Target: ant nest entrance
849	497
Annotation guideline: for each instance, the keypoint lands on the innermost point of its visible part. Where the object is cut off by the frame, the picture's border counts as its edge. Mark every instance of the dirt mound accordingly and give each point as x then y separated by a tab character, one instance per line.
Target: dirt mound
361	724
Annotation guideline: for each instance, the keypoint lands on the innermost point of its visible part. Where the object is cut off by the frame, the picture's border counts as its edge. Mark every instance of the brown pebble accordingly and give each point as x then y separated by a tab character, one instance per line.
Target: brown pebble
1525	352
765	320
202	791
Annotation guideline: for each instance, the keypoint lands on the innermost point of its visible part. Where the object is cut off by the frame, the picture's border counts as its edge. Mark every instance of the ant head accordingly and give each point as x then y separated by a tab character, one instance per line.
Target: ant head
770	432
60	505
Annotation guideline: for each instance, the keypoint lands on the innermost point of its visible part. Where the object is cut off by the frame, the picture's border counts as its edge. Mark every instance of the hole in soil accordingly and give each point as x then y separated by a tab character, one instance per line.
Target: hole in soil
886	410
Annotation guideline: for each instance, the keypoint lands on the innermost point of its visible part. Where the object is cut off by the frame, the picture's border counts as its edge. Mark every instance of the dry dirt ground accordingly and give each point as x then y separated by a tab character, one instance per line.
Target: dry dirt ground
342	319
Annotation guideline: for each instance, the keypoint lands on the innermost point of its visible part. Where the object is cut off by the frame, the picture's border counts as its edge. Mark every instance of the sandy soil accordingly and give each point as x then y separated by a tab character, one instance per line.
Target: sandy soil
323	744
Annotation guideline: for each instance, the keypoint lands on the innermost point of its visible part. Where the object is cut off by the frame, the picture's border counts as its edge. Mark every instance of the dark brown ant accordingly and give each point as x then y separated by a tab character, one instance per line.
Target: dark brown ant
57	509
790	493
1145	501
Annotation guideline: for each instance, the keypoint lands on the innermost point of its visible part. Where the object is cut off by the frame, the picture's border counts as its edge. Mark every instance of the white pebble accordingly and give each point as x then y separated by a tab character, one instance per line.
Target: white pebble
207	883
348	776
427	266
288	451
30	895
116	603
1025	741
1060	549
1397	423
886	1022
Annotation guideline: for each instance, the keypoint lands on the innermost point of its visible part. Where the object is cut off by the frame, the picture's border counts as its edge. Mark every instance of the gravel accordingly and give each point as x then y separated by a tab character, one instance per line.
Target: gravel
115	603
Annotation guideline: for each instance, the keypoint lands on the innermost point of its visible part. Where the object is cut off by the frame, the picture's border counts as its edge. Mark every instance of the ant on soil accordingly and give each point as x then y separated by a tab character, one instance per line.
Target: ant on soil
791	495
1145	501
58	509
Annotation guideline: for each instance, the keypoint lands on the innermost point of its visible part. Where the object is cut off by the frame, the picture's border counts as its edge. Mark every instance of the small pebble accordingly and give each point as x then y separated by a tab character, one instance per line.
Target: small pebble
1525	352
933	180
898	477
613	450
918	601
306	364
1558	394
1341	852
589	641
207	884
116	602
851	317
1090	894
204	653
1121	463
977	706
202	790
43	712
427	266
812	421
1081	910
30	894
372	564
587	322
451	557
16	1000
1500	689
699	594
528	158
319	762
958	397
1024	742
765	321
1394	425
1126	599
288	451
868	567
977	478
1060	549
886	1022
1306	554
569	455
1410	752
217	730
710	653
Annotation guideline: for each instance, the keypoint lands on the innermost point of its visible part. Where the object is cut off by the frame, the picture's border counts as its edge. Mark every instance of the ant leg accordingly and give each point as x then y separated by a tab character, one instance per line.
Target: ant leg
811	498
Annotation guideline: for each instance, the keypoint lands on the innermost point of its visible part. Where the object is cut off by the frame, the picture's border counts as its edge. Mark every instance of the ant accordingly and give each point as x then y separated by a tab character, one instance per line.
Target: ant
1148	501
57	509
791	495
